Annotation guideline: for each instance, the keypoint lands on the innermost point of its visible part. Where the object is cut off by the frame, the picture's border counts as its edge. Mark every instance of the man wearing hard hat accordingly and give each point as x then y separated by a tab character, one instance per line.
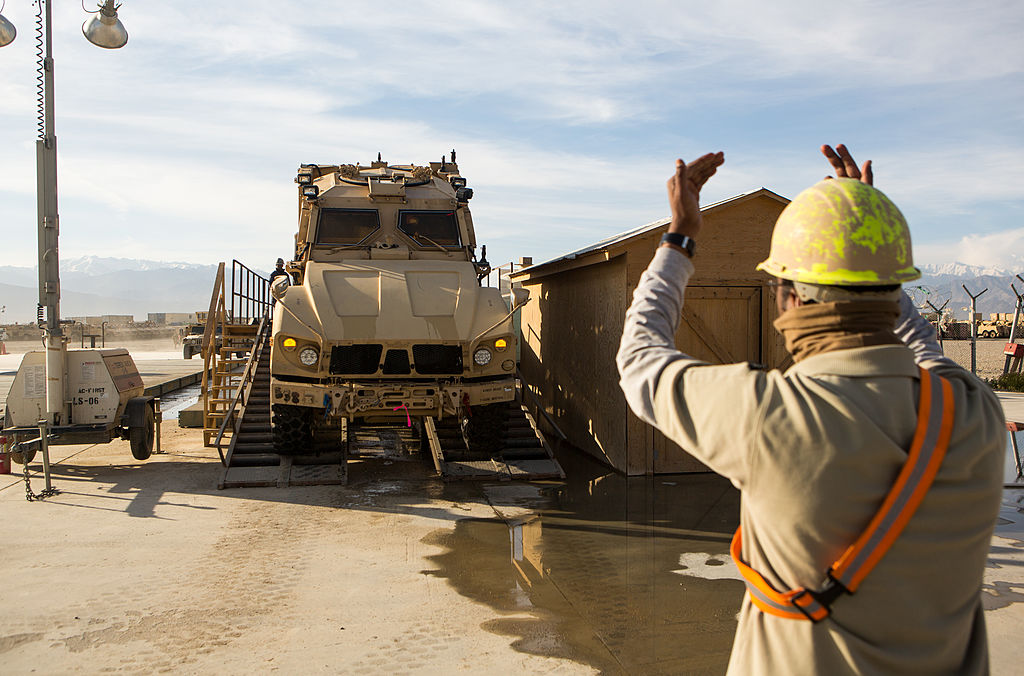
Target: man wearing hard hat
870	471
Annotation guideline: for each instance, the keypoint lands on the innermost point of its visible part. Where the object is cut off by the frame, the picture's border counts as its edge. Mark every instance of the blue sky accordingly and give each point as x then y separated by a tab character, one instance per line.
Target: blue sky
567	116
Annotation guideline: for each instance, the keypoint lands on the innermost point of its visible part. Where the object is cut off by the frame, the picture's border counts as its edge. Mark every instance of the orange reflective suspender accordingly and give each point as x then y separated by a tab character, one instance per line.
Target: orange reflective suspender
931	439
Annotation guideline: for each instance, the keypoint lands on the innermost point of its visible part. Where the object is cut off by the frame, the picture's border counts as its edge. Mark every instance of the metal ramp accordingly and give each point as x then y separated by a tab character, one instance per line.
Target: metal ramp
250	460
523	452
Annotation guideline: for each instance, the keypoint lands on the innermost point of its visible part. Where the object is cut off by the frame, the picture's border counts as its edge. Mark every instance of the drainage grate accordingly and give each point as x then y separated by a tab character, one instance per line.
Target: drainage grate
437	359
361	359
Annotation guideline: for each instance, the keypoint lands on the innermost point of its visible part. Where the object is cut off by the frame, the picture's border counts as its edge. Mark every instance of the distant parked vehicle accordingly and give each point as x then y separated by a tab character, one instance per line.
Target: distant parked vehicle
192	342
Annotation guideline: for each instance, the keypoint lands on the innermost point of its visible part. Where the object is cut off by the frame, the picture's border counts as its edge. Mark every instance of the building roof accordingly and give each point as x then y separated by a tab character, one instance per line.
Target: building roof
605	245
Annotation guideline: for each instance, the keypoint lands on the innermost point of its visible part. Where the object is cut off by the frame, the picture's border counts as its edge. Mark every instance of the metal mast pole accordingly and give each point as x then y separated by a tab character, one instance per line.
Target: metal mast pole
49	228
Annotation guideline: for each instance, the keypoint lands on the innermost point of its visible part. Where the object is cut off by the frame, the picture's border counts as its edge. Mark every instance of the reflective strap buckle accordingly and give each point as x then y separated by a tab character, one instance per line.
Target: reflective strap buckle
816	605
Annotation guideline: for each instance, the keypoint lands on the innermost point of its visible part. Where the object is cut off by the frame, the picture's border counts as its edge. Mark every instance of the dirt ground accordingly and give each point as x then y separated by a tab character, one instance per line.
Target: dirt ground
150	345
147	567
144	568
989	357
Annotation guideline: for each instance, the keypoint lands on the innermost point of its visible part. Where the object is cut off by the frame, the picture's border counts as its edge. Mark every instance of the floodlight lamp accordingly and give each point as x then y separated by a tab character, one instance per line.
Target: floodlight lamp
7	30
104	29
310	192
304	179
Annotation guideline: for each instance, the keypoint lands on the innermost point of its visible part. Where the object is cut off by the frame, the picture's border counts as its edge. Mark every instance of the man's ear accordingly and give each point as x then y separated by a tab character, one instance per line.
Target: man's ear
790	298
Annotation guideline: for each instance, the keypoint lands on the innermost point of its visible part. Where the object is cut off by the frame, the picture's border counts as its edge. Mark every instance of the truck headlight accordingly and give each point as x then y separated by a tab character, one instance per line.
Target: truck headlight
482	357
308	356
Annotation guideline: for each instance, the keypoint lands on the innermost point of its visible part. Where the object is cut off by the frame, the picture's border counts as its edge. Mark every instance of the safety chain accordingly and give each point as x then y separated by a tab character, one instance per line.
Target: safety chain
41	495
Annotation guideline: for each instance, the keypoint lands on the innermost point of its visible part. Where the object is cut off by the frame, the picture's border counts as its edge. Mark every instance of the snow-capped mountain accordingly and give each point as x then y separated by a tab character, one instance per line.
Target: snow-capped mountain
957	269
99	265
93	285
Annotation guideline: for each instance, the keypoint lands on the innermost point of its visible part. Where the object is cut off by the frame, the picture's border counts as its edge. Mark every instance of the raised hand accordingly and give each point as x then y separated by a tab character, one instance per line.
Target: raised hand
844	165
684	192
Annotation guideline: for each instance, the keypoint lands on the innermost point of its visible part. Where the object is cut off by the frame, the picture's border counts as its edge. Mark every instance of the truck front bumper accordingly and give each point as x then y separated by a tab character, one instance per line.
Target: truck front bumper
396	399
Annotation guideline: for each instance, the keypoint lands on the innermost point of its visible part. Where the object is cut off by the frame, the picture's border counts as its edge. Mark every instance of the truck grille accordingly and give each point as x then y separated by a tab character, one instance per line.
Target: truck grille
361	359
437	359
396	362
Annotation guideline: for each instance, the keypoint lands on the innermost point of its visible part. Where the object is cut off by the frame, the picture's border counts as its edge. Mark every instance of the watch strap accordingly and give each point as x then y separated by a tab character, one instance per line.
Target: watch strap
684	242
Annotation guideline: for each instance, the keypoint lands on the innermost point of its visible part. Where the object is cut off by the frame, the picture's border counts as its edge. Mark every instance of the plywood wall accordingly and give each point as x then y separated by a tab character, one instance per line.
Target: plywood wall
572	329
571	332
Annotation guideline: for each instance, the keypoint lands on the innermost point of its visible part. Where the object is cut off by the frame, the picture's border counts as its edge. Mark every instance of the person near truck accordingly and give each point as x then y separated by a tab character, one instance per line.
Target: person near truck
870	471
279	271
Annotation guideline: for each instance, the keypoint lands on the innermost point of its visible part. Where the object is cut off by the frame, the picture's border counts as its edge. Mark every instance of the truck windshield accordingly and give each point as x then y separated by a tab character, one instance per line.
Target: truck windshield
346	226
430	227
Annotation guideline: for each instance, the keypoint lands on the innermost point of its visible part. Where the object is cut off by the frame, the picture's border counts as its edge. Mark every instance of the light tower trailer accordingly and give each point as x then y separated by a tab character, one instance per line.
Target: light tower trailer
104	401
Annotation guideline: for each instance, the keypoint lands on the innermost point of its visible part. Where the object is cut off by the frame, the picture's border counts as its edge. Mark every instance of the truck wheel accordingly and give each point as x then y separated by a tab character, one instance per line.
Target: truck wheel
293	429
186	352
141	438
486	428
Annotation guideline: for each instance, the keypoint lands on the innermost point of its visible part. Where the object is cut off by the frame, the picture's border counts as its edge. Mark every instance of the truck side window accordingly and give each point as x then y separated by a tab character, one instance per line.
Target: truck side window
346	226
429	227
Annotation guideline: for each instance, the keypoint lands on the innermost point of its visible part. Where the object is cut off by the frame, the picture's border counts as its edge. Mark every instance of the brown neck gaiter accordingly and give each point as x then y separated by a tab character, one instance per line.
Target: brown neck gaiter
824	327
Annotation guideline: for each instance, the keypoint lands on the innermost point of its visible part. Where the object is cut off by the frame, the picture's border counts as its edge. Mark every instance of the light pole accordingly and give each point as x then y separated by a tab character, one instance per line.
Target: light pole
104	29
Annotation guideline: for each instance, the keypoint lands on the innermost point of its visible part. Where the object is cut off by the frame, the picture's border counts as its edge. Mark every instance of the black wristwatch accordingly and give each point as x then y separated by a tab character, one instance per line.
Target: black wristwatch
682	241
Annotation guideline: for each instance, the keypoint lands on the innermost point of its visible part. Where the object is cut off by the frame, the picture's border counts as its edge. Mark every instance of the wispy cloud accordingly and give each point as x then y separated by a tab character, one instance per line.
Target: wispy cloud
566	116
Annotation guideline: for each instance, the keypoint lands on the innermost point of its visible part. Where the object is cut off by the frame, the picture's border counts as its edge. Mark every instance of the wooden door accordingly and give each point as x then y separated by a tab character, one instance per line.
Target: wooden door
720	325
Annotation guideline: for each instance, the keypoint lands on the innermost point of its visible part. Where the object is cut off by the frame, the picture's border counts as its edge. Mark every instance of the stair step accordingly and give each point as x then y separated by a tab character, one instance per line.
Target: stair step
254	437
248	448
255	460
254	429
532	442
523	453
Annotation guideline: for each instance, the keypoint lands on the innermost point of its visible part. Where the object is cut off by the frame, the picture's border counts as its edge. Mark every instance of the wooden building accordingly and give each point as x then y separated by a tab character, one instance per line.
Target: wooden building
572	325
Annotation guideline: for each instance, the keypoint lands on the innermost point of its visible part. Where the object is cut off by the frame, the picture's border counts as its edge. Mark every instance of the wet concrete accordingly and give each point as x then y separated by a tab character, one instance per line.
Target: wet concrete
624	575
143	567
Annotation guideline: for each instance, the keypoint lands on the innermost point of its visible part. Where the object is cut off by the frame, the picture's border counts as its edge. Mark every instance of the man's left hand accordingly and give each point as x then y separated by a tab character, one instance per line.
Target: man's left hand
684	192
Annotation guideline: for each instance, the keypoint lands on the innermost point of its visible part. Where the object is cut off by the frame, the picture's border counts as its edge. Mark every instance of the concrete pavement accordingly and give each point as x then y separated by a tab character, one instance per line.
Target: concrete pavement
146	567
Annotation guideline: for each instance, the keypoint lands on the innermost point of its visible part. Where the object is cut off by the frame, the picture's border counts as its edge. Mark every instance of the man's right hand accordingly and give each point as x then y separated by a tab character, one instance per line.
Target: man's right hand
844	165
684	192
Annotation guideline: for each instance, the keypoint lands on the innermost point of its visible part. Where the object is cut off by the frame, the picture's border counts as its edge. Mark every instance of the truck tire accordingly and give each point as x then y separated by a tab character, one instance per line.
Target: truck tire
141	437
293	429
485	429
186	352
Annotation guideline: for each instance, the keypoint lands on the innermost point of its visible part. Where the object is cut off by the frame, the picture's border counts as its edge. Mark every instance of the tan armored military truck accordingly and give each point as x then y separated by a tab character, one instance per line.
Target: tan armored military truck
387	320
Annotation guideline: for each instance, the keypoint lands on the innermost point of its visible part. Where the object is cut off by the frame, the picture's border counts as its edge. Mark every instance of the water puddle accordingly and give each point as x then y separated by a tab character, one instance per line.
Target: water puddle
173	402
624	575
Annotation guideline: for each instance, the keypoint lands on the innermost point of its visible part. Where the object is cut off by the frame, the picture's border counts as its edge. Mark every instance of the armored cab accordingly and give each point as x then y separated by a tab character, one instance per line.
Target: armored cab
384	318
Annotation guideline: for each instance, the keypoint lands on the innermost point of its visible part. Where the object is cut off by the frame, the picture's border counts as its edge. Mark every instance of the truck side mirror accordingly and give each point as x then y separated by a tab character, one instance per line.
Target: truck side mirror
519	296
278	287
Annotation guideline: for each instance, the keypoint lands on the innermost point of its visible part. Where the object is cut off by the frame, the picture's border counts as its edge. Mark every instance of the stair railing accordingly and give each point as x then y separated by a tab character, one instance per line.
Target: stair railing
246	299
244	387
524	389
214	318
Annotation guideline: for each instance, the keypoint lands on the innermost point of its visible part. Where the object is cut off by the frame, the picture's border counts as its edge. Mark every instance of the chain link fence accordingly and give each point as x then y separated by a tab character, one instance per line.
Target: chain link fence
988	357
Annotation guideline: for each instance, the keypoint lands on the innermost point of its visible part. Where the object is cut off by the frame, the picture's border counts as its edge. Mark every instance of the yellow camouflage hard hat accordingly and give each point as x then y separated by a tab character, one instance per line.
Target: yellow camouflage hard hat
841	232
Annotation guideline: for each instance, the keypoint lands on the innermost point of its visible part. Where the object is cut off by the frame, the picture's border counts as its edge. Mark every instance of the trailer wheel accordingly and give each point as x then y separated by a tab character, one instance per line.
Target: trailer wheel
141	438
486	428
186	351
293	428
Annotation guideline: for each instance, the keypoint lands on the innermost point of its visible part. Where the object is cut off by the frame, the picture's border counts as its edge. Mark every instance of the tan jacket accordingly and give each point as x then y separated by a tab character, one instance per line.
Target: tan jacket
814	451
